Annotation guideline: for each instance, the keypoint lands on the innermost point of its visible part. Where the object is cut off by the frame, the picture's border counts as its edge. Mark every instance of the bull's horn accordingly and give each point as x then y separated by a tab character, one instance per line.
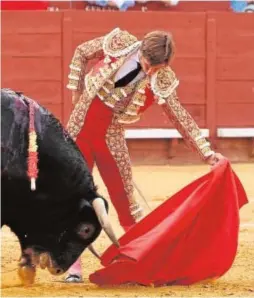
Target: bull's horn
93	251
101	212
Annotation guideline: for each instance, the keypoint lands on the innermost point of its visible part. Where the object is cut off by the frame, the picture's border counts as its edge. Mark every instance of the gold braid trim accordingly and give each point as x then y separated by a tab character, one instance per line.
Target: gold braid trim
118	96
94	82
131	112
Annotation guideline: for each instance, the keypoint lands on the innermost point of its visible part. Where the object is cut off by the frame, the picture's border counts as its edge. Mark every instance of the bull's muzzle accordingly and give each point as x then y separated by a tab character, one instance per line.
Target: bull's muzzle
55	271
45	261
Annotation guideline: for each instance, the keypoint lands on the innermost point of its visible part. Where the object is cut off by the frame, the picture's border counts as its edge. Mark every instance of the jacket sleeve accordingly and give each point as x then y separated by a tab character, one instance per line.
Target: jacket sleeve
86	51
164	84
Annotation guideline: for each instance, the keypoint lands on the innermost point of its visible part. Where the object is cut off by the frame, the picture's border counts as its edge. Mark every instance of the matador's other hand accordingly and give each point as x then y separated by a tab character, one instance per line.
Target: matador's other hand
75	97
214	159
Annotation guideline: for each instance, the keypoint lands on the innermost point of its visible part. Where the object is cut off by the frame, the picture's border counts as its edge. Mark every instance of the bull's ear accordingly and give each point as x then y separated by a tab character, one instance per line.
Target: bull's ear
85	230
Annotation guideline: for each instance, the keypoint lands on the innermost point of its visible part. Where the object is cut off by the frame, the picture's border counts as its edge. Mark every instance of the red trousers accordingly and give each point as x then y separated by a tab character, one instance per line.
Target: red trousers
102	141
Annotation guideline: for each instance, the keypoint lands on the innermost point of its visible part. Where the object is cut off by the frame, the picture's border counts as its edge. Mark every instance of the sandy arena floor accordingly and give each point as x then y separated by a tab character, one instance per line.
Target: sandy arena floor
156	183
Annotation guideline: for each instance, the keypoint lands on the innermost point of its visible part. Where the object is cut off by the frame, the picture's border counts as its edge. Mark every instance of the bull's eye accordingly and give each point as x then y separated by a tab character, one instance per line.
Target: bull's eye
86	230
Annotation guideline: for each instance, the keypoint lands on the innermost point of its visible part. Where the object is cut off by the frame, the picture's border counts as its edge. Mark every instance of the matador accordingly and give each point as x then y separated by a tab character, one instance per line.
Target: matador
128	77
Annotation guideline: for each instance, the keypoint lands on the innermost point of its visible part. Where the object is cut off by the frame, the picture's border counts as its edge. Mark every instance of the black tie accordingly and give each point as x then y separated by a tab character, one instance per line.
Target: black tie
129	77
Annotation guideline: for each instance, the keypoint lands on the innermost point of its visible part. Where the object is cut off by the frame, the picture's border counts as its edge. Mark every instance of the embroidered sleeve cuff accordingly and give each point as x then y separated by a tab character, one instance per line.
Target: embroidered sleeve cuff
203	146
208	153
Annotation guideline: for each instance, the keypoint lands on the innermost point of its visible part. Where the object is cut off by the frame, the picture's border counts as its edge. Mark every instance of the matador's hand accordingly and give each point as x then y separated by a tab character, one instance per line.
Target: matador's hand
75	97
214	159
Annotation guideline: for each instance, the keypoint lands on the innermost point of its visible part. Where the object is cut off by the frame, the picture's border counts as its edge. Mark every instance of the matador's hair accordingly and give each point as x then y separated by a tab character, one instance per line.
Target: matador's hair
158	47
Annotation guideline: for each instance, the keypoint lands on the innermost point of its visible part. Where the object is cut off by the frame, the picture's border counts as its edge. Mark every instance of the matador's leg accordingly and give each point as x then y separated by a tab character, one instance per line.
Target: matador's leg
113	161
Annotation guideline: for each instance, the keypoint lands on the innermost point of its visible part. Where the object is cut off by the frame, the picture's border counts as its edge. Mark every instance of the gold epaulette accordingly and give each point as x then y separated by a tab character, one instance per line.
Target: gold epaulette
119	43
164	83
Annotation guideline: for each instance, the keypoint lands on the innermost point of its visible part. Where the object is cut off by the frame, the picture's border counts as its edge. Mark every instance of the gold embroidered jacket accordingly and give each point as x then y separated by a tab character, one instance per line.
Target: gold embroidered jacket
113	49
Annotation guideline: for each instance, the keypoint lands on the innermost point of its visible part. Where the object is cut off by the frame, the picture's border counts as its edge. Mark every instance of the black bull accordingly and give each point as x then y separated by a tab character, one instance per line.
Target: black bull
65	214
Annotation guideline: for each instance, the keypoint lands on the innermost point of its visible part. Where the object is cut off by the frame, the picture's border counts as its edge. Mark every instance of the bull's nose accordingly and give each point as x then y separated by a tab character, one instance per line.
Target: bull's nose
56	271
59	271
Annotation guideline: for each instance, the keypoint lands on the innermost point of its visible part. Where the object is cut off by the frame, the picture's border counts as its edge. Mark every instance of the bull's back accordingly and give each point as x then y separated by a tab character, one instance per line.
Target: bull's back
63	173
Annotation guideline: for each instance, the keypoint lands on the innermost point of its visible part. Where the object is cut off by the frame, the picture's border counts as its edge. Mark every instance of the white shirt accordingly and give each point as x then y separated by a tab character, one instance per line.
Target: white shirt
129	65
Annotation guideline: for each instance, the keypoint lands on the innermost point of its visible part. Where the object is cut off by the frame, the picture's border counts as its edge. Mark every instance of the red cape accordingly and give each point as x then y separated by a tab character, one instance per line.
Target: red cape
191	237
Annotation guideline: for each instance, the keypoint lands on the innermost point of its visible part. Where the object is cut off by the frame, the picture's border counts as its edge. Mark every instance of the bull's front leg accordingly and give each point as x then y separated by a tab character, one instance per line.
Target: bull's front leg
31	257
29	260
26	268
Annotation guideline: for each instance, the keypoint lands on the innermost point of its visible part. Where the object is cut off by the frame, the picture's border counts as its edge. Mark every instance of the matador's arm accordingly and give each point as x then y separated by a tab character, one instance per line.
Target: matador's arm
164	84
86	51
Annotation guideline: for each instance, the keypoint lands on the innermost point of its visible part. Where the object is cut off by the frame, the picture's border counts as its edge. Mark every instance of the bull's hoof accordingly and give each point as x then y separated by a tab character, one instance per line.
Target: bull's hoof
27	274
